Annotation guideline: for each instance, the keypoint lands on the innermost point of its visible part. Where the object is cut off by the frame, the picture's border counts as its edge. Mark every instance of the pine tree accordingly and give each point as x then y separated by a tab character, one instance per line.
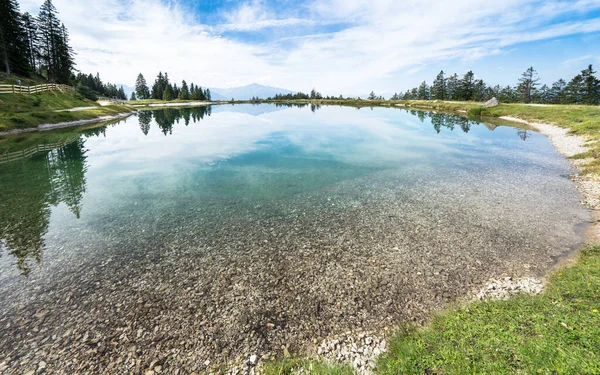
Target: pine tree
527	84
452	87
590	87
49	28
480	91
184	93
121	94
574	91
167	93
133	97
466	86
13	39
438	89
423	91
158	87
557	92
141	87
207	94
64	53
31	32
371	96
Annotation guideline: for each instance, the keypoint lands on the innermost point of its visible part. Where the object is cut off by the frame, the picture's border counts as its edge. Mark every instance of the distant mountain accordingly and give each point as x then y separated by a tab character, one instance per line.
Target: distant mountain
128	89
239	93
247	92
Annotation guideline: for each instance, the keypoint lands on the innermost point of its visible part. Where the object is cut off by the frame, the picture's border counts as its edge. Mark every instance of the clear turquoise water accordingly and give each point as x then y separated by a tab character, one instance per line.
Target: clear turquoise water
189	231
164	163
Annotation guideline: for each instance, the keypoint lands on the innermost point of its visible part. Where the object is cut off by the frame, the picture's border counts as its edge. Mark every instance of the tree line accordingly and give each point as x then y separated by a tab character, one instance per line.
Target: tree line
163	89
584	88
92	87
35	45
39	45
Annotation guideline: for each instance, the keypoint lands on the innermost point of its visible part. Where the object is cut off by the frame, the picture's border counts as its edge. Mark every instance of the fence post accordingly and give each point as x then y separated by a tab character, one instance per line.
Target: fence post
13	89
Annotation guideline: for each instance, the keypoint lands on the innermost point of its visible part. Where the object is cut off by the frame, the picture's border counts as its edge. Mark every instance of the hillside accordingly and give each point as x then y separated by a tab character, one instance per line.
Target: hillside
20	111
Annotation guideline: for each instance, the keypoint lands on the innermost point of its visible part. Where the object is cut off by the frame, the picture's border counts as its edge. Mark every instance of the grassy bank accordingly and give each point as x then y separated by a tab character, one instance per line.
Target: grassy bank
556	332
29	111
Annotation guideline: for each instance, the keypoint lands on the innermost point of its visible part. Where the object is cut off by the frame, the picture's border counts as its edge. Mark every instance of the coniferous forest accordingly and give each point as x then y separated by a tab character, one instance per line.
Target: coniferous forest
38	46
584	88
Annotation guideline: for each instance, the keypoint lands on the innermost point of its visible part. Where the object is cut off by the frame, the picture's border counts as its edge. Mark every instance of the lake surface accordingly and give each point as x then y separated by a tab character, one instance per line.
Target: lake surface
187	235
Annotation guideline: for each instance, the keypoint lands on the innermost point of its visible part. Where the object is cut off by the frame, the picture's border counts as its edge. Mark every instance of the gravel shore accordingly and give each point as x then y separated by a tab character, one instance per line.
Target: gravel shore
569	145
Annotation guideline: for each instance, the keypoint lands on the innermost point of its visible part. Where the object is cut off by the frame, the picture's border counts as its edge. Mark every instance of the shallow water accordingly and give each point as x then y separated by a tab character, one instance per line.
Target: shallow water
189	230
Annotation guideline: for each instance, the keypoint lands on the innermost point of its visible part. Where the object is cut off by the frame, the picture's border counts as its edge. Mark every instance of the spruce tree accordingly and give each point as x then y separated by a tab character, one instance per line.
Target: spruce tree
141	87
65	61
133	97
438	89
31	33
527	84
184	93
207	94
168	93
591	87
49	28
452	87
423	92
13	39
557	92
466	86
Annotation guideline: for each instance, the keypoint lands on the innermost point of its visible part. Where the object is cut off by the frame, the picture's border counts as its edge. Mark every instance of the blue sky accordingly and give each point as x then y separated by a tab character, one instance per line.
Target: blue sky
338	46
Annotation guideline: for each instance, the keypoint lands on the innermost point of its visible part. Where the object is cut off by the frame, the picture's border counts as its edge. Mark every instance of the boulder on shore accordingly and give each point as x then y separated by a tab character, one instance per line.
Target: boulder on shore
491	103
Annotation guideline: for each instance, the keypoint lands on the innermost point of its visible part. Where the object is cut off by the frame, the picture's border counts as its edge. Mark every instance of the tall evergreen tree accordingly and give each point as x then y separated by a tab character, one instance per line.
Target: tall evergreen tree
591	86
527	84
466	86
31	33
141	87
184	93
55	54
438	89
65	62
423	91
167	93
452	87
13	39
557	92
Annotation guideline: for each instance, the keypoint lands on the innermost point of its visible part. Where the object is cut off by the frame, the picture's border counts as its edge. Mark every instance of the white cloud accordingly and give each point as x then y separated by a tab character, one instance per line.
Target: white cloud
120	39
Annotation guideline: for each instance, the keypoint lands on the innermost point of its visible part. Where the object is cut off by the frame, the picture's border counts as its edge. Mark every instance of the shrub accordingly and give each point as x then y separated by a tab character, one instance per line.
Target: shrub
477	111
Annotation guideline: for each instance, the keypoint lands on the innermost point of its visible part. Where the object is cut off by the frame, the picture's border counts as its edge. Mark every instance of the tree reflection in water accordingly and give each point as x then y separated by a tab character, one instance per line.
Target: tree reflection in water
29	188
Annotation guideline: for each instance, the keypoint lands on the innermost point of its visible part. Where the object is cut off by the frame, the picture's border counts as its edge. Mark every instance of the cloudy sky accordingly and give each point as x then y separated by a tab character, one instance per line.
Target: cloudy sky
337	46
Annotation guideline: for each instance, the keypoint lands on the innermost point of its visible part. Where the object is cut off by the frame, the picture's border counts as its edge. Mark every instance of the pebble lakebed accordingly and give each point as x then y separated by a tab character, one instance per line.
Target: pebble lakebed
226	290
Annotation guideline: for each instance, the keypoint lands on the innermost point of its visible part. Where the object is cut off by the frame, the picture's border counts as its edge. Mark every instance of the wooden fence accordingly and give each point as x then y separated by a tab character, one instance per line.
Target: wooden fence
25	153
18	89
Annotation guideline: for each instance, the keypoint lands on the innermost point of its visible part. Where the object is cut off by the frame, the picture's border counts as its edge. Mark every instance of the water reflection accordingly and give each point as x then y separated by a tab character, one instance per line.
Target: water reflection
30	188
270	151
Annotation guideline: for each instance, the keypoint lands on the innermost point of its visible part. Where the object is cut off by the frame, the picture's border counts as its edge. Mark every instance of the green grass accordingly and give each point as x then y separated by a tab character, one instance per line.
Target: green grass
27	111
557	332
11	79
288	366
